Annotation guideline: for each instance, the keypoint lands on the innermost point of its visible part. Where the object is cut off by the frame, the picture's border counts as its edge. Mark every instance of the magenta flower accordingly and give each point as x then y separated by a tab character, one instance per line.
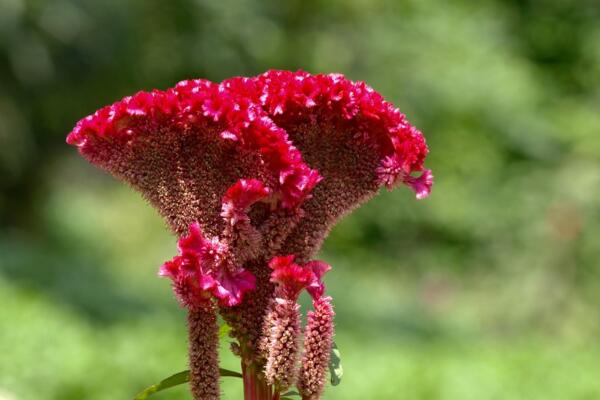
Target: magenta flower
292	278
204	268
251	174
239	197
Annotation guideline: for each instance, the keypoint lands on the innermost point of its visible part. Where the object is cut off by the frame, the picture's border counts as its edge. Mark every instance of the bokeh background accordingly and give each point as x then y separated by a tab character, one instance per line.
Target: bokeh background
489	289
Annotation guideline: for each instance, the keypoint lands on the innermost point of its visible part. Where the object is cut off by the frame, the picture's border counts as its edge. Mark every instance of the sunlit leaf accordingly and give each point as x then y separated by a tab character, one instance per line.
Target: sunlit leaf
335	366
175	380
224	330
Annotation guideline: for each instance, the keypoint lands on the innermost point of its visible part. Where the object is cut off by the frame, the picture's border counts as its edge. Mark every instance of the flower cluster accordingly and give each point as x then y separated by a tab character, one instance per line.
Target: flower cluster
292	278
251	174
281	330
204	268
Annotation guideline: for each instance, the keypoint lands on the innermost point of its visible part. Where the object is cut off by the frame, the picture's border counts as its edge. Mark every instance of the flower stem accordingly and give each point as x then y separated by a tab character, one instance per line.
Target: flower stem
255	385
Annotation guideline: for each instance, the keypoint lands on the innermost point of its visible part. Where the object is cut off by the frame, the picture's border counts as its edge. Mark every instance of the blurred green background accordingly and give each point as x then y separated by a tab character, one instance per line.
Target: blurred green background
489	289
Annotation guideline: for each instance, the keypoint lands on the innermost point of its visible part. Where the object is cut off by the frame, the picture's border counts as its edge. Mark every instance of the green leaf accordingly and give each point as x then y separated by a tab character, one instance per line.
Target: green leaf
224	329
177	379
291	393
228	372
173	380
335	366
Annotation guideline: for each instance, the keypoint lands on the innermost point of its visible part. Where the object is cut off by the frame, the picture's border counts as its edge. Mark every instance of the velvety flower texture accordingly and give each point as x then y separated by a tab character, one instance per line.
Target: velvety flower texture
204	365
251	174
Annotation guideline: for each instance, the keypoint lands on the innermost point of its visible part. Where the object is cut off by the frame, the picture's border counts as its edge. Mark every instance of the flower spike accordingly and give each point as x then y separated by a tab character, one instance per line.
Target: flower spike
203	350
318	339
280	343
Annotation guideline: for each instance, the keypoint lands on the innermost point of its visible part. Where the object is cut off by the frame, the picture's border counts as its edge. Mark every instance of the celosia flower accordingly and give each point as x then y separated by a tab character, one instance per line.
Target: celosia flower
253	168
184	147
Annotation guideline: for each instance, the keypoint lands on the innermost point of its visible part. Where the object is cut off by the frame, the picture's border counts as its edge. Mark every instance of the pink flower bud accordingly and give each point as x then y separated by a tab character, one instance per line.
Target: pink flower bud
291	278
318	339
280	343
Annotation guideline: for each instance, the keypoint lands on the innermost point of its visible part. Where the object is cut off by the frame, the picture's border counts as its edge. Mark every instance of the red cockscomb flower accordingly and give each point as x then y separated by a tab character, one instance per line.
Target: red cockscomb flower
245	171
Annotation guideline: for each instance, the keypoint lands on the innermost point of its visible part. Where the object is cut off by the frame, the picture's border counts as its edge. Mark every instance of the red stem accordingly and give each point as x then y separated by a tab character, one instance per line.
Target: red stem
255	386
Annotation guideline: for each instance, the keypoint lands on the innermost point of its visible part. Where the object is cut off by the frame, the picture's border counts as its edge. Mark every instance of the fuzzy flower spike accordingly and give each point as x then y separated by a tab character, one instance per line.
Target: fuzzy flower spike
281	329
245	172
318	340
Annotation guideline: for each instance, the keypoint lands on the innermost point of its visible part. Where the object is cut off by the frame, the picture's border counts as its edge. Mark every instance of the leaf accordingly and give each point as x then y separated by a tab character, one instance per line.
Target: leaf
228	372
335	366
224	330
173	380
177	379
291	393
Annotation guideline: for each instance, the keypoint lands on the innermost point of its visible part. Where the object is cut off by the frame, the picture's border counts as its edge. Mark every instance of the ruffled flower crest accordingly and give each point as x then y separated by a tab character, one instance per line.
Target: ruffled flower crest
393	171
320	143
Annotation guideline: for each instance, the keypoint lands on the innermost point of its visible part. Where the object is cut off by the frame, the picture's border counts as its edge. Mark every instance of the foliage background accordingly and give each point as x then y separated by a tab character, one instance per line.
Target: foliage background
486	290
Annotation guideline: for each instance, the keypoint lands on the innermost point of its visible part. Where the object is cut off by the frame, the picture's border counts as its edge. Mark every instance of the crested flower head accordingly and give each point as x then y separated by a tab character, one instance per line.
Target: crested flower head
291	141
